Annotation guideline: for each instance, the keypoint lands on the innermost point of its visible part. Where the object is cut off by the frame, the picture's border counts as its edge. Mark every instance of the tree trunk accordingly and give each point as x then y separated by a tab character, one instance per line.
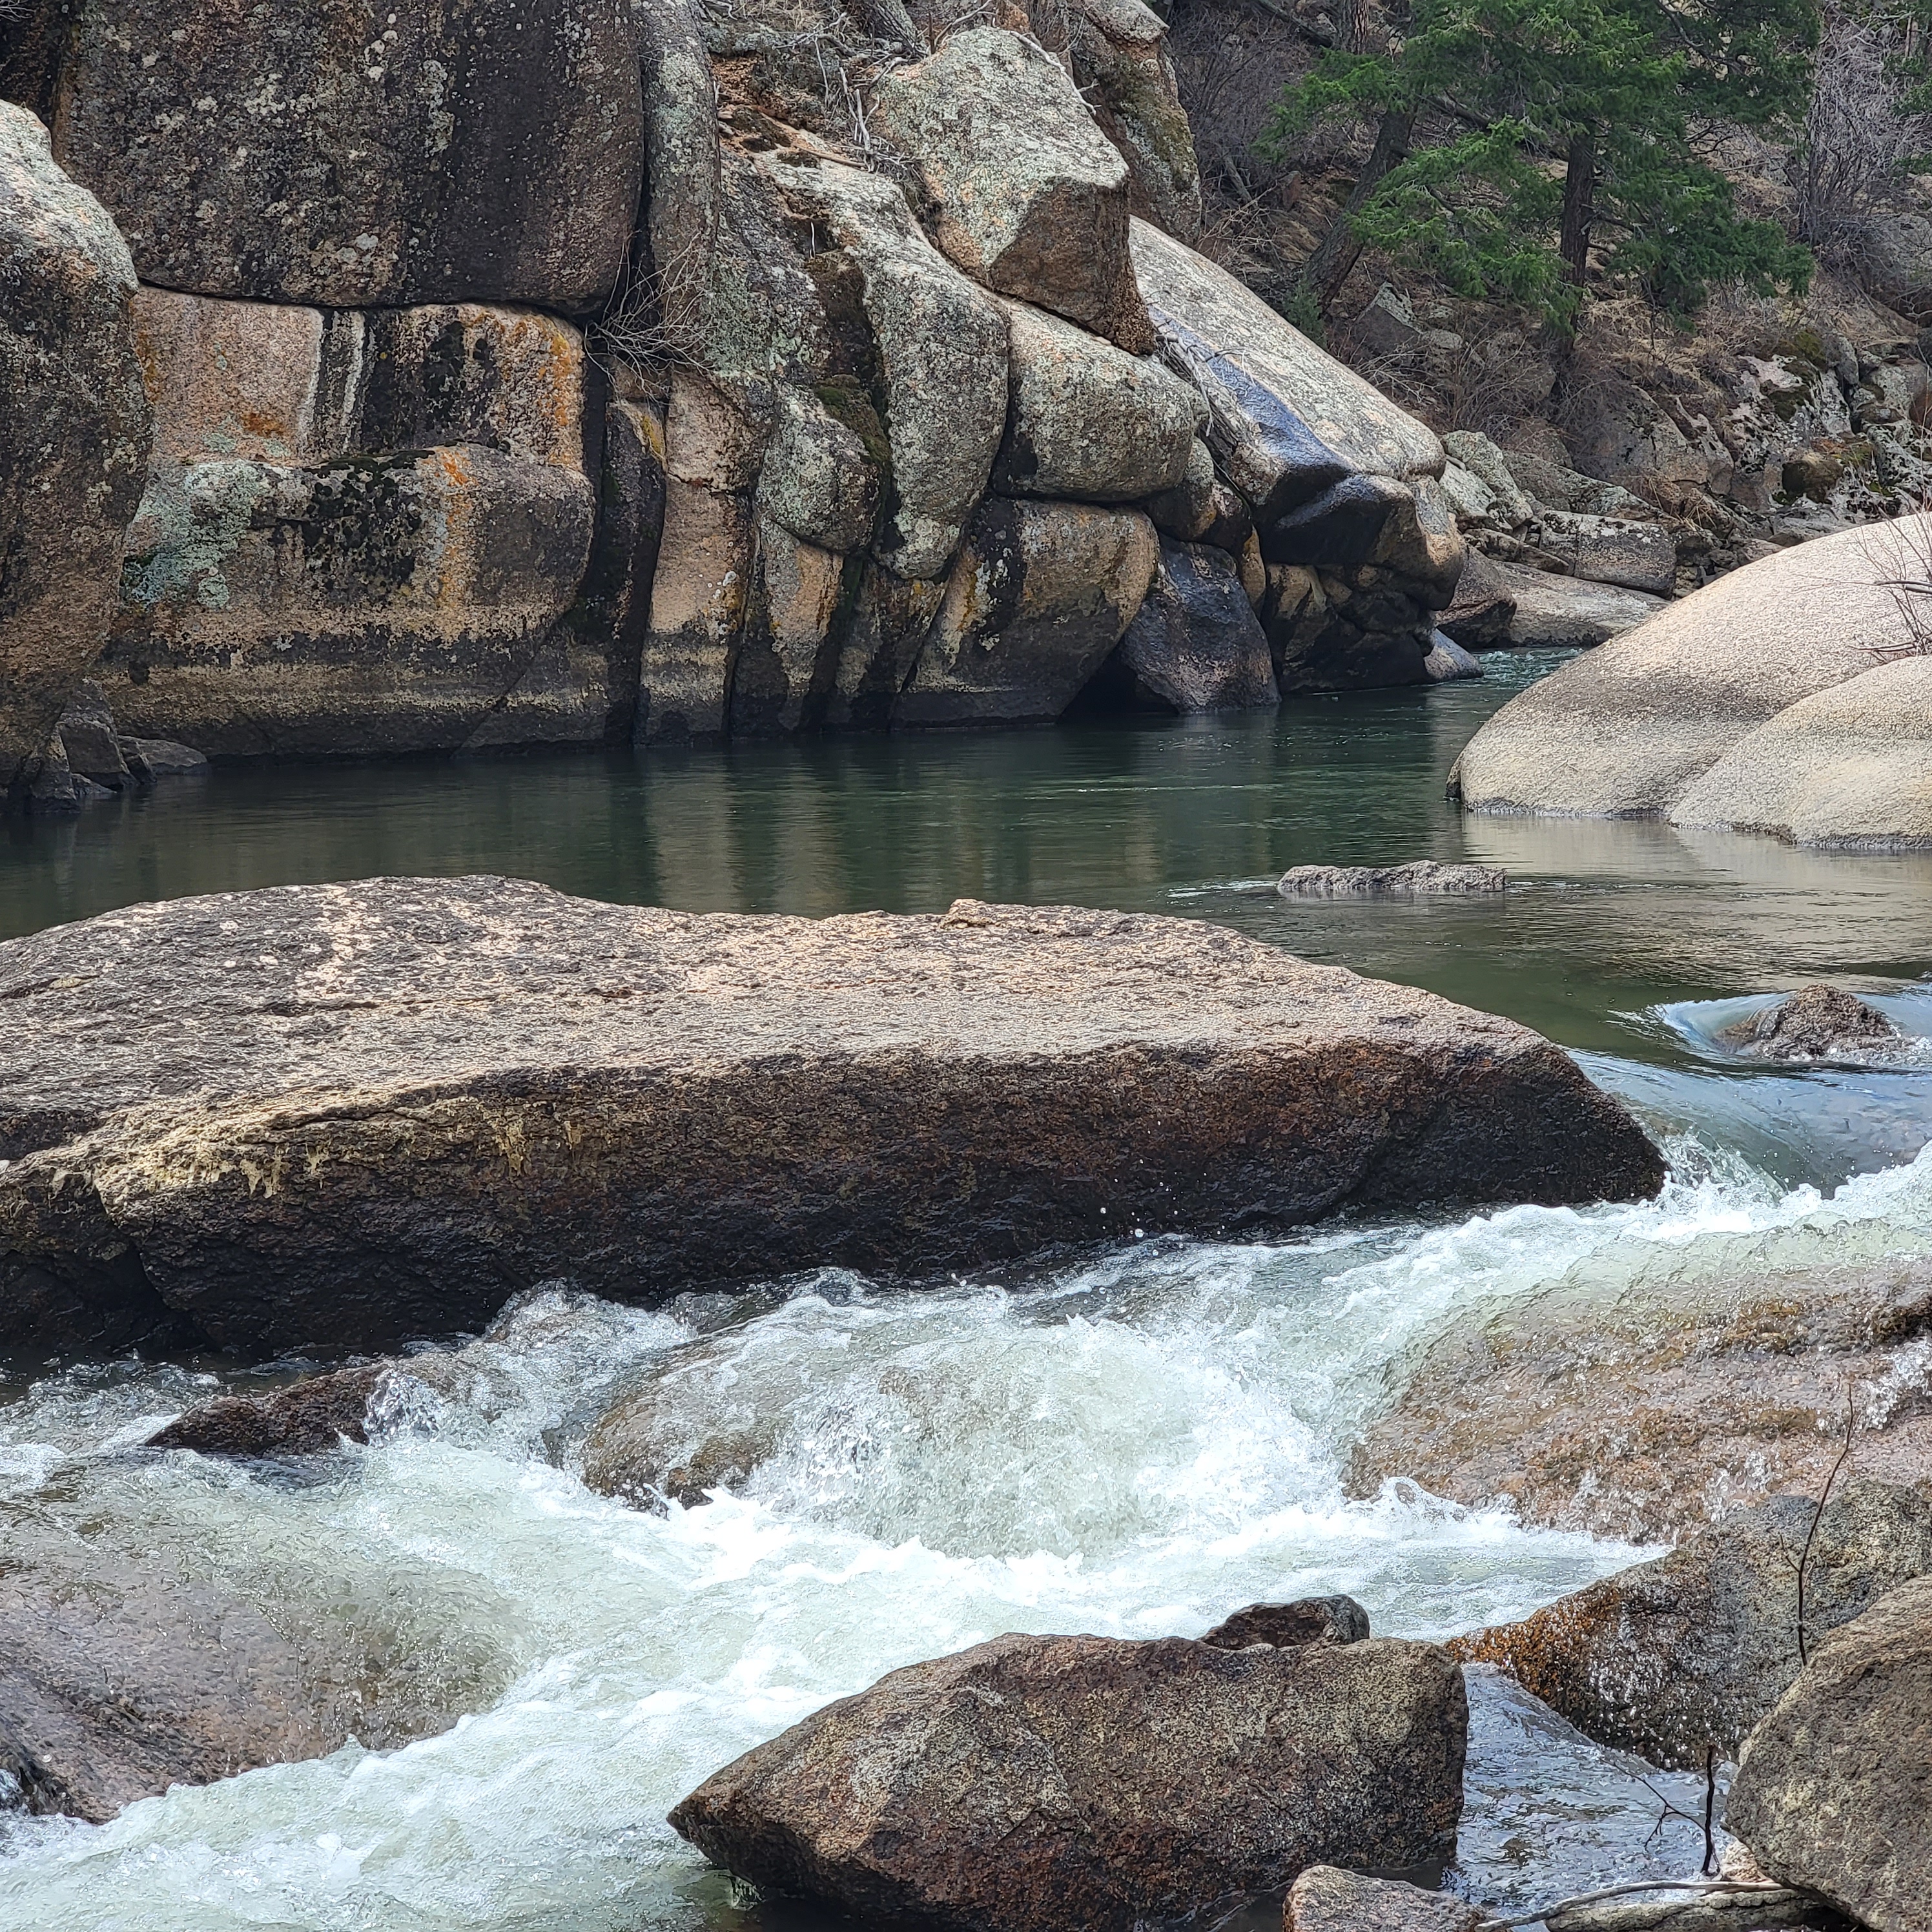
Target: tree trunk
1335	259
1351	26
1579	206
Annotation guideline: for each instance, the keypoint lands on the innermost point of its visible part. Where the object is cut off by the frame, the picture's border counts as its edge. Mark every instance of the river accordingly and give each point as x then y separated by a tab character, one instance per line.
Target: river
1136	1447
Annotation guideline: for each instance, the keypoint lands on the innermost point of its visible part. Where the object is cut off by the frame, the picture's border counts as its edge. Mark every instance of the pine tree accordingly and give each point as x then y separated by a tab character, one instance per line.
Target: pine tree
1576	130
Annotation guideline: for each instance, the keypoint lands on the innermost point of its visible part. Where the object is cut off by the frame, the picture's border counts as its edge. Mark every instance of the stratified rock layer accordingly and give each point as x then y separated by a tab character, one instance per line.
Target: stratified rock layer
1630	731
1037	1782
368	1111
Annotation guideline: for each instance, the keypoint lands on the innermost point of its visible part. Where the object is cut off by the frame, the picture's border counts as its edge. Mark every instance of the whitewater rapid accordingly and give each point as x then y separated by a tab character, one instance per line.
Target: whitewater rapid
1135	1447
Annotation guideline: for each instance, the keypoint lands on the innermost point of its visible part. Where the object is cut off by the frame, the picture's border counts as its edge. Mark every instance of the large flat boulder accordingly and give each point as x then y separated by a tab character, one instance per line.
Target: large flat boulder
1037	1782
1835	1790
372	1111
1851	765
311	152
1672	1658
1498	605
75	428
1626	732
1028	195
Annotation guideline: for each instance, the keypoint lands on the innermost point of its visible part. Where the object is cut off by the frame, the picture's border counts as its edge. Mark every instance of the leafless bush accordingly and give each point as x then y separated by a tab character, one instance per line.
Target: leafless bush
657	317
1857	139
1902	548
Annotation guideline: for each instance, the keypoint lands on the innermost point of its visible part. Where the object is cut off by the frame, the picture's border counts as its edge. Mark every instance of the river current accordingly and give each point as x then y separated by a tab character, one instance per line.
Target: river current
1135	1446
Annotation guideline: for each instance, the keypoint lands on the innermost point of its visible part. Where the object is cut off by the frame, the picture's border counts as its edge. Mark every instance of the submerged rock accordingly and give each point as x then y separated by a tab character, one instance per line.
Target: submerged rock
121	1675
1037	1782
1324	1899
1648	1412
1307	1620
366	1112
1687	1654
1417	876
1835	1790
1815	1023
312	1415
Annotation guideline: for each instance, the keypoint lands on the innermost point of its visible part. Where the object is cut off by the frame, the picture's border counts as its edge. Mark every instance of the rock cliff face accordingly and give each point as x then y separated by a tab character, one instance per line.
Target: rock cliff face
554	370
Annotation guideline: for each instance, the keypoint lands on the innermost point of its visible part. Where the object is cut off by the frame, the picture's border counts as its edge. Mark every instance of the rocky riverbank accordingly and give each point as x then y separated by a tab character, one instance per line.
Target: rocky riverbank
726	375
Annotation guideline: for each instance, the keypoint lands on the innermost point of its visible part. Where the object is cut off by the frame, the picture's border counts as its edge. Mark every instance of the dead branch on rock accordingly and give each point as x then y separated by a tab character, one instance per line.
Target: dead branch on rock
1695	1905
1817	1515
1706	1824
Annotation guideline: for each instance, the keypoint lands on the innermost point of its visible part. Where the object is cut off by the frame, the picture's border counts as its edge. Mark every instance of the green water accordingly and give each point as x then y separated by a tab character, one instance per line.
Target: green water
1603	922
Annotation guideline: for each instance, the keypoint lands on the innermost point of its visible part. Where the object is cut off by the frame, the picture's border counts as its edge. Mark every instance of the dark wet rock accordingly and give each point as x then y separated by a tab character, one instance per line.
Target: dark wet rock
1307	1620
1815	1023
1041	1781
1417	876
482	151
308	1416
1446	660
1325	1899
75	430
1644	1412
149	759
1674	1658
1195	643
1835	1790
93	746
365	1112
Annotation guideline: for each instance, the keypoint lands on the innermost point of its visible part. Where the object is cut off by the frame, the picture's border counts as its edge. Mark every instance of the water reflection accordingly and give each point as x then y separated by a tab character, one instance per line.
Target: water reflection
1606	919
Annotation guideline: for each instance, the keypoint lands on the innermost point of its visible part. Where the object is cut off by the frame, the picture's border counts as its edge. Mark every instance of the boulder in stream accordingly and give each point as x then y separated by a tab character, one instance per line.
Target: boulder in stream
1676	1657
1327	1899
312	1415
1815	1023
1417	877
1307	1620
355	1114
1037	1782
1835	1790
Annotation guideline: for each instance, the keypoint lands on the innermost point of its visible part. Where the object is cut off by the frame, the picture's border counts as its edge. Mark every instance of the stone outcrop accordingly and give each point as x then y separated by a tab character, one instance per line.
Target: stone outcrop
1835	1790
1629	730
486	150
367	1112
1326	1899
1847	767
1693	1651
1038	1781
1679	1399
75	428
854	281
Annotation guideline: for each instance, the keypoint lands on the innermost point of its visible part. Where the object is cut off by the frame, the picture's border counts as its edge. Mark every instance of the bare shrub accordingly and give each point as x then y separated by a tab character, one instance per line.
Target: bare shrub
1858	140
1902	549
